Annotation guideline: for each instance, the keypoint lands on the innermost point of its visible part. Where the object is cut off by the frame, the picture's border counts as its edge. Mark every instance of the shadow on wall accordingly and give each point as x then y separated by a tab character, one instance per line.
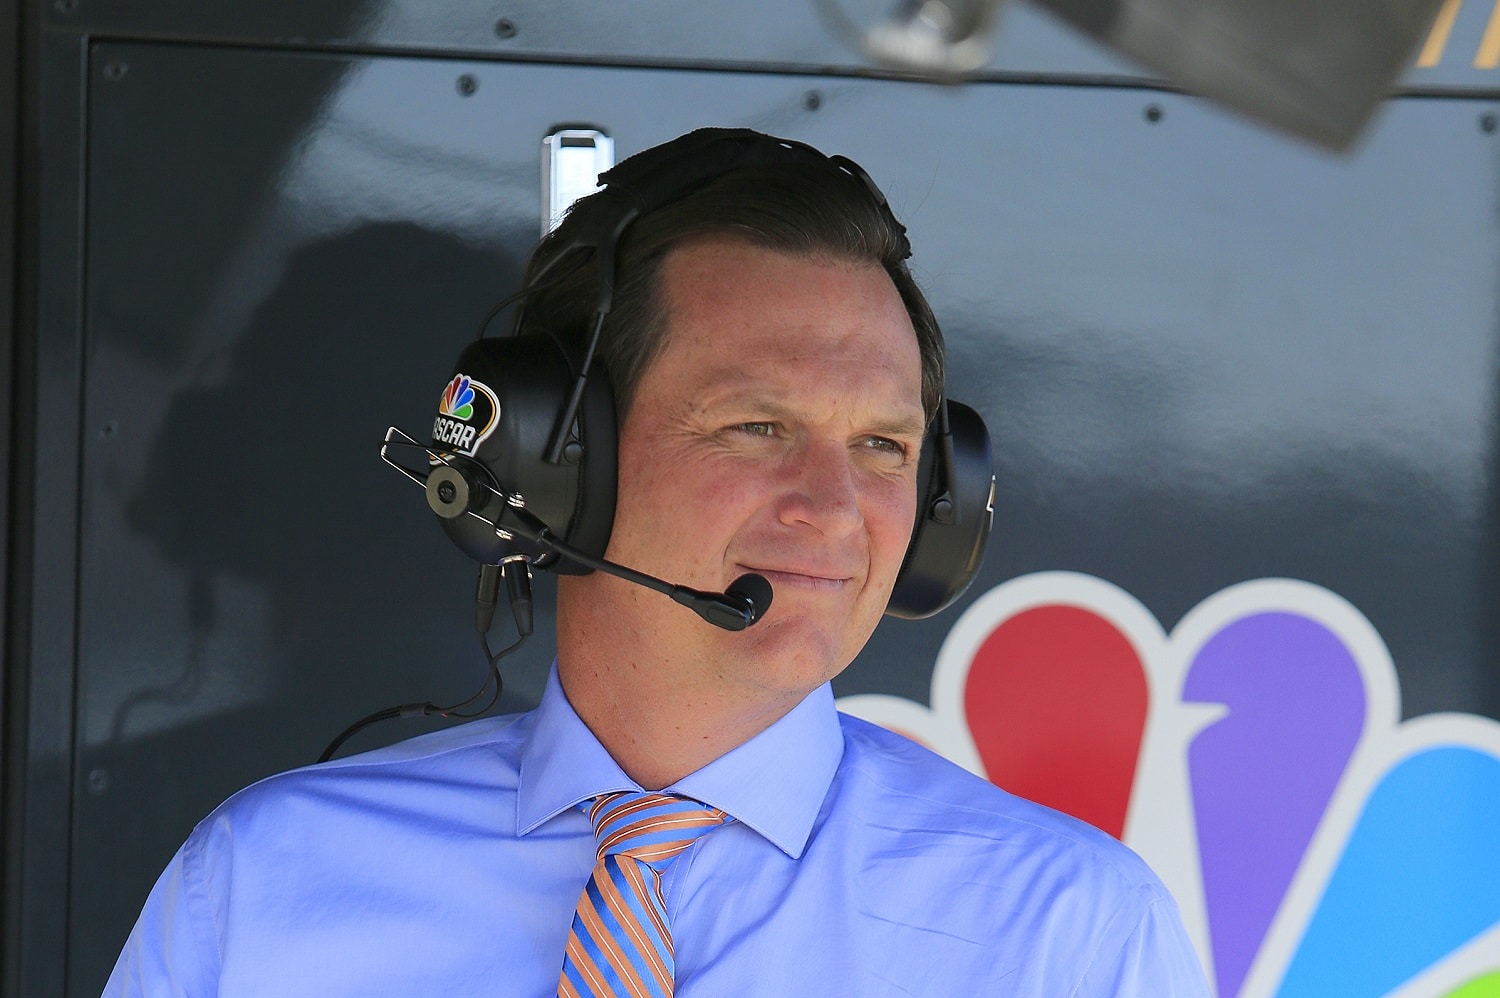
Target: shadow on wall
274	477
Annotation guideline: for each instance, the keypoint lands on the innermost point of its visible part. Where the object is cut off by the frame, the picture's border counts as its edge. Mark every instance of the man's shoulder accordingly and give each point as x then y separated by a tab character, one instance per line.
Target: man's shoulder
937	807
491	735
1038	901
438	774
372	851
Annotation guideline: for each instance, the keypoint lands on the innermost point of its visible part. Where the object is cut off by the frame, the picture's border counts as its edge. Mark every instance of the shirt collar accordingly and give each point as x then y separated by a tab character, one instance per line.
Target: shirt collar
562	763
774	783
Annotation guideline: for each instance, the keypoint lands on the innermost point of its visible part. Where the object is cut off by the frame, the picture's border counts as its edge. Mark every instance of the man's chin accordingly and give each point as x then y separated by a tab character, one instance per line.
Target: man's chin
787	655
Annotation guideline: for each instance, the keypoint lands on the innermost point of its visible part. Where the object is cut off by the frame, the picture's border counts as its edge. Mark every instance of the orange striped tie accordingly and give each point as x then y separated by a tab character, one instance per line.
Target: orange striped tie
621	943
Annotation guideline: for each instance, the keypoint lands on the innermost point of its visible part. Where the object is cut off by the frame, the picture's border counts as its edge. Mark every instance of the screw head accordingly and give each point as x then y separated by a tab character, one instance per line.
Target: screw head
98	781
1488	122
1154	113
505	28
812	100
447	492
115	71
467	84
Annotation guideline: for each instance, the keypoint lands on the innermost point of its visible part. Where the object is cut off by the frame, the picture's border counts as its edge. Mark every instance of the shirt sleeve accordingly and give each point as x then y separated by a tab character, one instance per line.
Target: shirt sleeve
1156	960
173	949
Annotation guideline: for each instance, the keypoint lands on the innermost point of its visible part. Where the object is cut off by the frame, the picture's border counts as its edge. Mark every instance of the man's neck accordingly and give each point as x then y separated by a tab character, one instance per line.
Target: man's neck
658	734
660	719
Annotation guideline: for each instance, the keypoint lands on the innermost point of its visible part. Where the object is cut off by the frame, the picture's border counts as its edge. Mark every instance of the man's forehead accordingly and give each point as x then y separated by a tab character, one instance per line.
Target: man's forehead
748	287
744	331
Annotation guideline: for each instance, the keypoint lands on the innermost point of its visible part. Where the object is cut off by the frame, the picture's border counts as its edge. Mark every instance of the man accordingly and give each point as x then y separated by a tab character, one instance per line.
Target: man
774	370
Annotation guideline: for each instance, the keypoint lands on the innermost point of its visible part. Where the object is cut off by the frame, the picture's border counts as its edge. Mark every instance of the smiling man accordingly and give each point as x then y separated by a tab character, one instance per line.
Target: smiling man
776	432
686	812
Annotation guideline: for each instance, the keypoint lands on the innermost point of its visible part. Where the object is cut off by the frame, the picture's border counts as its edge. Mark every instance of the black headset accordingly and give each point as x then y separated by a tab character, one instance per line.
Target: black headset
525	425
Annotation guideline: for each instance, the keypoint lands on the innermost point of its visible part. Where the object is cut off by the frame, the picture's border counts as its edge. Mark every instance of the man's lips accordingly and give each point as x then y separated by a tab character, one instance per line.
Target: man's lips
820	580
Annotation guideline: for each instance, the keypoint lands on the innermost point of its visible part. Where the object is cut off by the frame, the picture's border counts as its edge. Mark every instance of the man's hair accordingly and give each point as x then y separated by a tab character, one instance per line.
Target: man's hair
801	210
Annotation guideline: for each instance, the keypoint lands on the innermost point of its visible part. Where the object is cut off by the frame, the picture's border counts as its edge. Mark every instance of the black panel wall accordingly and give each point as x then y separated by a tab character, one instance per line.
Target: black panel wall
1207	355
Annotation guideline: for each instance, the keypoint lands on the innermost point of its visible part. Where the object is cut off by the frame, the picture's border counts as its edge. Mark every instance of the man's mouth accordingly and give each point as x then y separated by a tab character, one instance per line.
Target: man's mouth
820	580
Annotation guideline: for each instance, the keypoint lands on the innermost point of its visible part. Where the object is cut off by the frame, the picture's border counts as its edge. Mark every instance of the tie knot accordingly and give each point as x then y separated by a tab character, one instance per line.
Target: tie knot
649	827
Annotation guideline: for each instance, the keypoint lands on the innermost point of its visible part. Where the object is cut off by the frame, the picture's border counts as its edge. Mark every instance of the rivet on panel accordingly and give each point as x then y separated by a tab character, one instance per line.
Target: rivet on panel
812	100
1488	123
505	28
98	782
109	429
1154	113
467	85
115	71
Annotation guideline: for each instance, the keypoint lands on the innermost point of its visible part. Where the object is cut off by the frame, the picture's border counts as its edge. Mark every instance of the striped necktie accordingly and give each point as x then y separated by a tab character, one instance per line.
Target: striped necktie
621	943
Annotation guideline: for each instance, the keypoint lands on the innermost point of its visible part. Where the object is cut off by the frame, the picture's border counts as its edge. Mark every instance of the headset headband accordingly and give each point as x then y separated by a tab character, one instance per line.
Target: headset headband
656	176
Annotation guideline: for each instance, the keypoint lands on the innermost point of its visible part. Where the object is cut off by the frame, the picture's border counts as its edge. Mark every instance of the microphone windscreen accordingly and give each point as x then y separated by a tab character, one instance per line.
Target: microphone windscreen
754	588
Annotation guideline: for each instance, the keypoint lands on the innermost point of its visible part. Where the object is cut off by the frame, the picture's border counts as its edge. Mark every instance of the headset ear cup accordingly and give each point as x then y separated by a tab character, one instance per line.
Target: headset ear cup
527	379
946	550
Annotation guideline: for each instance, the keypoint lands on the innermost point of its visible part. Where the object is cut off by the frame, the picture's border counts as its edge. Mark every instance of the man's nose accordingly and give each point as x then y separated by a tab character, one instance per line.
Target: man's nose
821	489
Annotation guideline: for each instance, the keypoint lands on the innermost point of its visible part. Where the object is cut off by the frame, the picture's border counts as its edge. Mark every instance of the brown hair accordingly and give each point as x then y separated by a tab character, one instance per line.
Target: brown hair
803	210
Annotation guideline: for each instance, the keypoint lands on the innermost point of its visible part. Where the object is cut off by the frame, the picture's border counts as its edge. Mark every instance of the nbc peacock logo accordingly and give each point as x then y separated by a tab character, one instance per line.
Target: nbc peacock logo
458	398
1256	757
468	413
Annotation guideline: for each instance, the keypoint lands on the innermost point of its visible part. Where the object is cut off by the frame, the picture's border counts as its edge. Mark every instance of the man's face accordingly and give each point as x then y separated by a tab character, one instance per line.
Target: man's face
778	432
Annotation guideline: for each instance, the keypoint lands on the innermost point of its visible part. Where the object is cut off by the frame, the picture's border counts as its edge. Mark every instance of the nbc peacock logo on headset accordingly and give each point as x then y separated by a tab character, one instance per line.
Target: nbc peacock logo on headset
468	413
1256	757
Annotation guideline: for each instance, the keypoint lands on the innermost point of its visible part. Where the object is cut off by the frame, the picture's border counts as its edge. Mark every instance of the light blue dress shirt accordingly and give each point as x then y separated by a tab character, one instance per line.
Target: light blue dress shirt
859	864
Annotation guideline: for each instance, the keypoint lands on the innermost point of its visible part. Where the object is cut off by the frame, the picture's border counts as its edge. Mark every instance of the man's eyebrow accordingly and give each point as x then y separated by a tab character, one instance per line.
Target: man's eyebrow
902	426
749	402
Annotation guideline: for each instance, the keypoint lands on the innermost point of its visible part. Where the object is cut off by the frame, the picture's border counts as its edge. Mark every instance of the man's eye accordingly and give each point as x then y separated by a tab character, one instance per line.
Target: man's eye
885	444
757	429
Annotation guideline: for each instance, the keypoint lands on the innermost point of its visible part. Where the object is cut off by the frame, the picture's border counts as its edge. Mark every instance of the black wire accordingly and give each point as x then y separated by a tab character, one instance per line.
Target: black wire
365	722
428	708
494	660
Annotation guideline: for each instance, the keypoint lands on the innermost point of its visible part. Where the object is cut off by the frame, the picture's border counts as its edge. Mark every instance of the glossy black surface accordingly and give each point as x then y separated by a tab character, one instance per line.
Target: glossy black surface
1205	355
785	34
773	36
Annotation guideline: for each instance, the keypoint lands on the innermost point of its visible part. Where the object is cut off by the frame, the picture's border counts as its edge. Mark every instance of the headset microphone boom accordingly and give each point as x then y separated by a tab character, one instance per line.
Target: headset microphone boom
456	488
